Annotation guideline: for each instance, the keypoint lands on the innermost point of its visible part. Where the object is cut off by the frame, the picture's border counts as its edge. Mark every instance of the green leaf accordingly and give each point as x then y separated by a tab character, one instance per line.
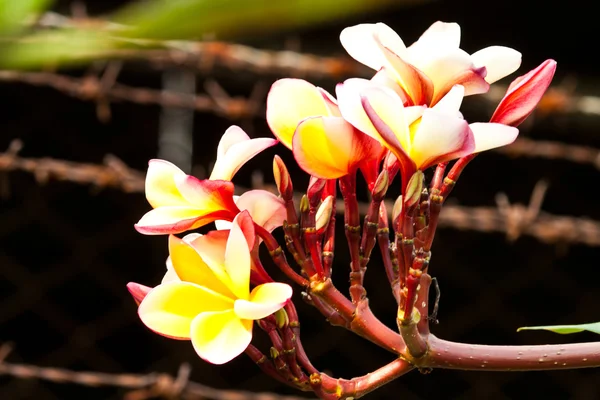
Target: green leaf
14	14
226	19
565	329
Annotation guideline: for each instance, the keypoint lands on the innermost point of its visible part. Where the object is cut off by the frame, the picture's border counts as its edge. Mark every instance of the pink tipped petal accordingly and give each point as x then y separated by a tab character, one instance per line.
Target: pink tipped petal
237	155
289	102
170	308
190	267
523	94
359	43
137	291
167	220
415	82
264	300
440	137
329	147
237	257
330	102
383	78
219	337
450	103
266	209
499	61
490	135
440	36
207	195
385	109
160	184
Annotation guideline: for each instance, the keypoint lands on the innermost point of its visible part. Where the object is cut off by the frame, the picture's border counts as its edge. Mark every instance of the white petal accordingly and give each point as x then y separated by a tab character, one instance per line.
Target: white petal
359	43
440	35
490	135
499	61
450	103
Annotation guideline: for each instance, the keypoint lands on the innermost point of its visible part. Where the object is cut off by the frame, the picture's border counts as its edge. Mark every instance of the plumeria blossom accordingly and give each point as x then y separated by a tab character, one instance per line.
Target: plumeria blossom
307	120
211	303
431	66
182	202
418	136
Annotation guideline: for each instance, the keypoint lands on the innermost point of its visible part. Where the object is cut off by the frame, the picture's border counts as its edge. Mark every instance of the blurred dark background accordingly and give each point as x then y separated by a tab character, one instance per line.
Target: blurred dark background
67	250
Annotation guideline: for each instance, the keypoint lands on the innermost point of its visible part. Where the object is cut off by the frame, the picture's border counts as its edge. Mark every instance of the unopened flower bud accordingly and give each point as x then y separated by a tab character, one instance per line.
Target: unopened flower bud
324	213
381	186
282	179
282	318
414	189
315	188
304	206
397	209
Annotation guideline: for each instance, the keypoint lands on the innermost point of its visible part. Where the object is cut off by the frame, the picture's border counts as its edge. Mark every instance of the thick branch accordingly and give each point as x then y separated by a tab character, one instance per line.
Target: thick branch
451	355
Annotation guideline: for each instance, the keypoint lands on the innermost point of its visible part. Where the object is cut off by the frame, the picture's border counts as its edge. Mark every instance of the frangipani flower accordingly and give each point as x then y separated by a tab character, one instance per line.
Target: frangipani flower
418	136
307	120
212	304
182	202
432	65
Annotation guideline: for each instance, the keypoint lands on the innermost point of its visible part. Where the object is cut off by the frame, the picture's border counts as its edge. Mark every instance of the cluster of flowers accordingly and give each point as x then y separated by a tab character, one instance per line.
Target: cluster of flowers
406	117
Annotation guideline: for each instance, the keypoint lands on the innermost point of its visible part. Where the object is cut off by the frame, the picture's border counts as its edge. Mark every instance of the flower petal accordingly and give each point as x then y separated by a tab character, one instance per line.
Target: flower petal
266	209
237	255
219	337
232	154
207	195
170	308
264	300
440	137
499	61
450	103
166	220
160	184
414	81
490	135
359	43
289	102
439	36
348	94
190	267
329	147
523	94
137	291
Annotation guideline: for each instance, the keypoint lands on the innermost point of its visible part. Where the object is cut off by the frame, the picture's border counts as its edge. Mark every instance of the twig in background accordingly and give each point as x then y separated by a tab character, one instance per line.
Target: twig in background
91	88
545	227
141	387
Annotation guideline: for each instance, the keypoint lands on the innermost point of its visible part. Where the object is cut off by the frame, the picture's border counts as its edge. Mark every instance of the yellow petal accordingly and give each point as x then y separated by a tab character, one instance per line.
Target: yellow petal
237	256
219	337
165	220
329	147
160	184
264	300
170	308
289	102
190	267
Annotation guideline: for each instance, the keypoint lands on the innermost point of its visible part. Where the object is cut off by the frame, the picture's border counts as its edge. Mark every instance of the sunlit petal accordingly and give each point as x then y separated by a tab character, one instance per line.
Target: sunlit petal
160	184
440	137
138	291
359	43
264	300
490	135
170	308
165	220
349	102
235	150
450	103
439	36
266	209
219	337
207	195
190	267
329	147
388	107
499	61
237	256
289	102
